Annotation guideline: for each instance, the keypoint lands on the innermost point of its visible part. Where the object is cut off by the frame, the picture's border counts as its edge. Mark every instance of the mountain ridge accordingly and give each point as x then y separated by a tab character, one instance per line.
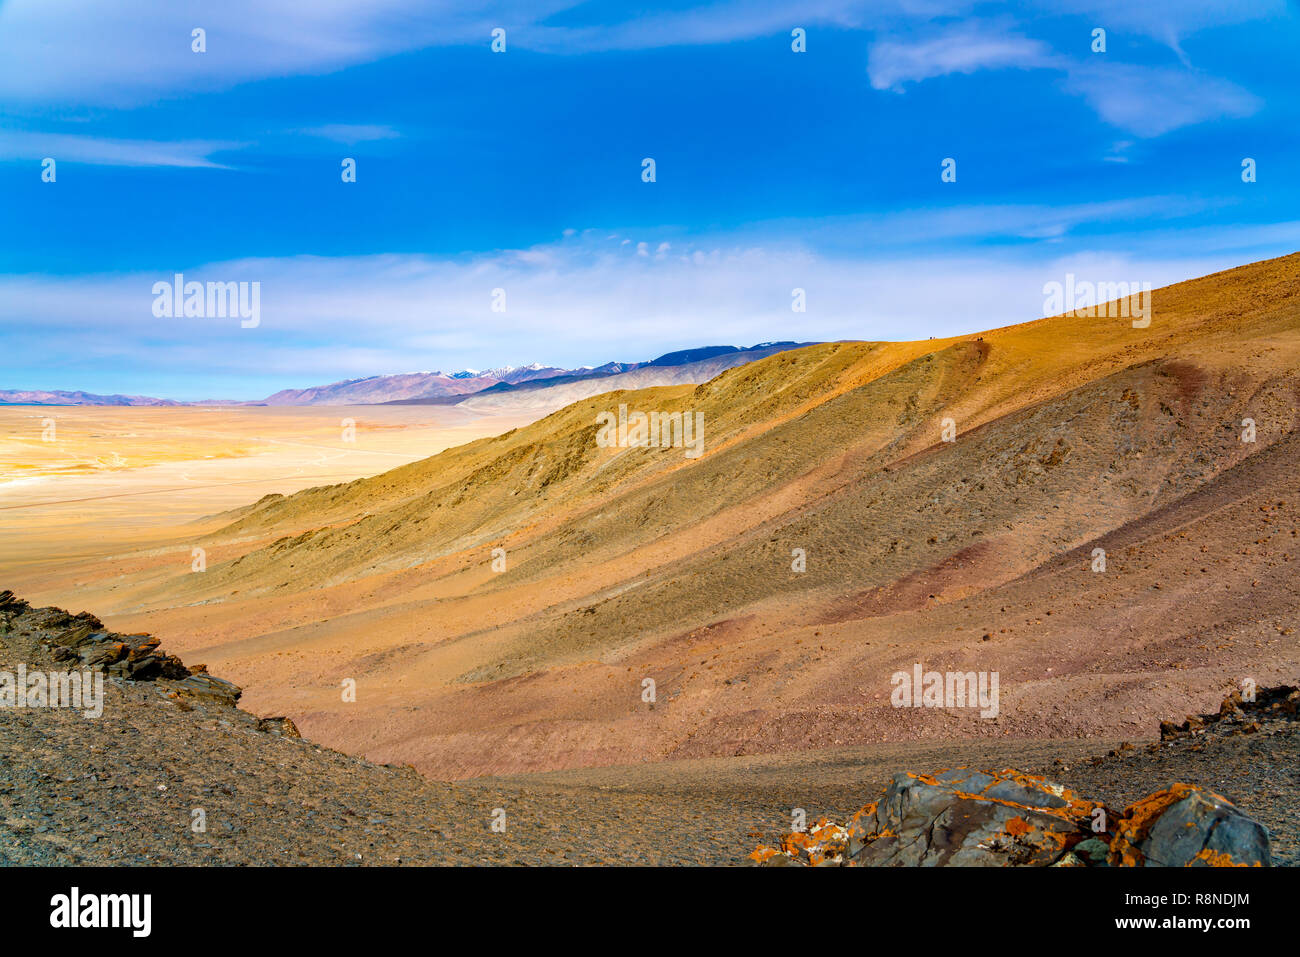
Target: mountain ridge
403	387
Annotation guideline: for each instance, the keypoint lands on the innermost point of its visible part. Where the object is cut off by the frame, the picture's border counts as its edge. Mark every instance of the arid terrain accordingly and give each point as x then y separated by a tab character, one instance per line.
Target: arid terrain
173	773
77	480
1070	434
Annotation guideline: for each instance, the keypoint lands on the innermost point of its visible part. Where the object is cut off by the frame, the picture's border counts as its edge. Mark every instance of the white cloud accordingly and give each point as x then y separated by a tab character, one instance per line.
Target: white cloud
966	48
89	51
351	133
582	300
1165	21
1149	101
99	151
909	228
1146	101
731	20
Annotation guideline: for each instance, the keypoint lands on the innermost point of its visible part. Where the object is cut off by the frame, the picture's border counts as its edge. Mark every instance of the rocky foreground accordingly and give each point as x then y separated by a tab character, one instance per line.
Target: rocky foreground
172	771
965	817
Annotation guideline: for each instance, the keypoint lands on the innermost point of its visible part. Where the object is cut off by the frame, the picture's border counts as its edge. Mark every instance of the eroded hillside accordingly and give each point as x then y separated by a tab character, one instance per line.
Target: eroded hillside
620	564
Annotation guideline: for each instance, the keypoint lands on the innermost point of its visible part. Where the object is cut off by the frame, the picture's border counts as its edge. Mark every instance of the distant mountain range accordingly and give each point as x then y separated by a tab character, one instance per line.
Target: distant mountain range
438	388
40	397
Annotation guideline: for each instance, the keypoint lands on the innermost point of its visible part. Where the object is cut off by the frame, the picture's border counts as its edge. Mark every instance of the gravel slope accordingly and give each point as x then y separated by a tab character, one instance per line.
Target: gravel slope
123	789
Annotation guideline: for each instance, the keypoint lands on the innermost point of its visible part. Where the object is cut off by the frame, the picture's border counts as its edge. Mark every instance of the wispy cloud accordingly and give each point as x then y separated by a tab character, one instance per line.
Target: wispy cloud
965	48
582	299
100	151
351	132
728	21
1165	21
87	51
1144	100
1149	101
903	229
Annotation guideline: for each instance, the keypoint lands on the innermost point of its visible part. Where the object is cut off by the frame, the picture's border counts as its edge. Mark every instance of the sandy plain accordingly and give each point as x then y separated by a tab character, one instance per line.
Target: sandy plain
113	479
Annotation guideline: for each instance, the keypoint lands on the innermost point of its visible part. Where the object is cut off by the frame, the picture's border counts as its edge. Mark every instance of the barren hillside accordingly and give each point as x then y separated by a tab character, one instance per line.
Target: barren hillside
1069	434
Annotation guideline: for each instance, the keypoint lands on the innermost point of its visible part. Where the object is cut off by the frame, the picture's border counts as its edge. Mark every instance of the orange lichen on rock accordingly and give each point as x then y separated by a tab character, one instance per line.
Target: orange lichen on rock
1137	821
1213	858
958	816
1074	806
965	817
762	854
1018	826
1187	826
825	842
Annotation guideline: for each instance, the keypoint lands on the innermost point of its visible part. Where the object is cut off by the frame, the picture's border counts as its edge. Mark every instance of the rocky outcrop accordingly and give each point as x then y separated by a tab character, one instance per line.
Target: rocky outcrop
212	688
965	817
1238	715
282	726
81	641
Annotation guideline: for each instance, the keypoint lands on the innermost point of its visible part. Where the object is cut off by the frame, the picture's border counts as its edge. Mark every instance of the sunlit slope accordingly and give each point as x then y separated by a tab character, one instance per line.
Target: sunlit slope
827	536
893	534
781	432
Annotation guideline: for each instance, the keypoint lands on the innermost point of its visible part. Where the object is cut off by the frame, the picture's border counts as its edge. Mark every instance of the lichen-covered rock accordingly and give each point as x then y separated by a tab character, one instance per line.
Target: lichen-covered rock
1187	826
968	818
959	817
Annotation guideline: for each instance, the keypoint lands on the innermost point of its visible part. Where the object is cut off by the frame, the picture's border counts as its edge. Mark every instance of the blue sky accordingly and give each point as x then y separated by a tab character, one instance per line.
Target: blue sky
522	171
